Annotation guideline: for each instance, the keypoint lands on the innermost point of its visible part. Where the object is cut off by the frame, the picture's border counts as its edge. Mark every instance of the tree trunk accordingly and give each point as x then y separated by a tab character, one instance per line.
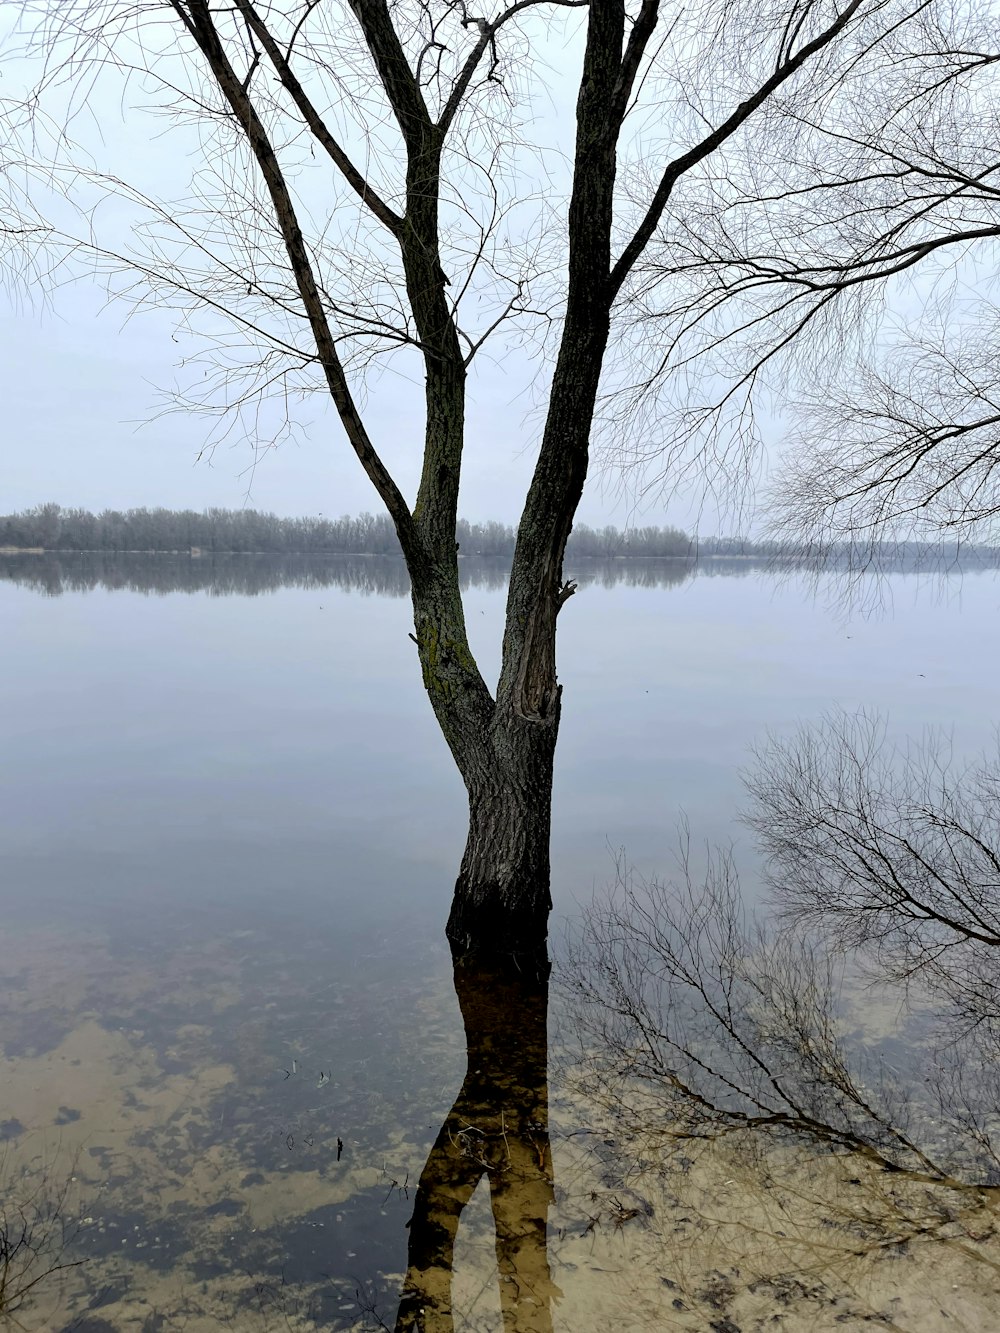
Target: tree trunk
502	895
505	758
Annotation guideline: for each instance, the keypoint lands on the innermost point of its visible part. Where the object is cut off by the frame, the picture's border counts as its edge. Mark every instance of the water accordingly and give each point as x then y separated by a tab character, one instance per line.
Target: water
231	1036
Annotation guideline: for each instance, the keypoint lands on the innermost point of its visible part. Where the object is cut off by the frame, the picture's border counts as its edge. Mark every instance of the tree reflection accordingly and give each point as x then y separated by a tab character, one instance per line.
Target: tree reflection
756	1108
891	854
252	575
815	1089
497	1129
232	574
887	869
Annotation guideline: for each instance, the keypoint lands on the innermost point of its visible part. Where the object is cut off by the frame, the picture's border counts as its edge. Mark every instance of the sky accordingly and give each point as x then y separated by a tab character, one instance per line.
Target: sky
83	390
83	426
86	386
86	423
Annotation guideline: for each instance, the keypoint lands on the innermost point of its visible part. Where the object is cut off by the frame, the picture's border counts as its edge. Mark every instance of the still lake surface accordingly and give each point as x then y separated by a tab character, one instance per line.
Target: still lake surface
229	831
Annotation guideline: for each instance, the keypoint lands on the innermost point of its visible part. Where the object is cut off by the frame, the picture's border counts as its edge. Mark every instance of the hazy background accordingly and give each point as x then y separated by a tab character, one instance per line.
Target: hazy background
84	386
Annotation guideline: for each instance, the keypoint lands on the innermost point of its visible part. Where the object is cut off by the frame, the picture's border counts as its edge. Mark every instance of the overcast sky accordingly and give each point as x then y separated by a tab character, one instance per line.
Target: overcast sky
83	395
81	401
83	424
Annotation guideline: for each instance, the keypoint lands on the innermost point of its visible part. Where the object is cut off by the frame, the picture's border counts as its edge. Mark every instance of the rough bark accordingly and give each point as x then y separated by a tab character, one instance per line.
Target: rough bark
528	684
504	747
502	894
501	897
506	764
502	891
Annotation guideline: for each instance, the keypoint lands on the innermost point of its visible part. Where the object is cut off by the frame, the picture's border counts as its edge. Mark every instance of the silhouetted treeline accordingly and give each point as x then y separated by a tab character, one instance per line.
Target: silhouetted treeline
247	531
858	555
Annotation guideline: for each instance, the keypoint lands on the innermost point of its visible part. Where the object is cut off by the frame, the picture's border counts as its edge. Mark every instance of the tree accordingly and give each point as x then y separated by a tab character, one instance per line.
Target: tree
318	267
838	269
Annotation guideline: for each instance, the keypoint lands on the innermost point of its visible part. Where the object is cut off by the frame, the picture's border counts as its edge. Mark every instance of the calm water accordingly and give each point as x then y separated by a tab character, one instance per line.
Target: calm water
231	1038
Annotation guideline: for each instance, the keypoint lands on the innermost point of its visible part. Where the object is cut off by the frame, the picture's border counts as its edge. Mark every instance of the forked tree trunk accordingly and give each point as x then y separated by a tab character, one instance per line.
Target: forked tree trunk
504	747
505	754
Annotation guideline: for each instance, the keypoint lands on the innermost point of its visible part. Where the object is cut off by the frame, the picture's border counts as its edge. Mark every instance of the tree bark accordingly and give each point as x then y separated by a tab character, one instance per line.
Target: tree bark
505	759
502	896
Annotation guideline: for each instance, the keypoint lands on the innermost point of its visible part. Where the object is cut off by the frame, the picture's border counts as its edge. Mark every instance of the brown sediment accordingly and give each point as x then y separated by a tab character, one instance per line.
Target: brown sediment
743	1232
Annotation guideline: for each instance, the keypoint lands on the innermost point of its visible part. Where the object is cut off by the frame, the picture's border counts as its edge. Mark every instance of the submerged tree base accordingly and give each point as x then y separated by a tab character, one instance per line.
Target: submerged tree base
502	899
494	920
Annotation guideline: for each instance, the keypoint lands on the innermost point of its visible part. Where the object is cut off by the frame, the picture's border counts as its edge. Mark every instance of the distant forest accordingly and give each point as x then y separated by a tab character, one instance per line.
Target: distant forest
249	532
246	531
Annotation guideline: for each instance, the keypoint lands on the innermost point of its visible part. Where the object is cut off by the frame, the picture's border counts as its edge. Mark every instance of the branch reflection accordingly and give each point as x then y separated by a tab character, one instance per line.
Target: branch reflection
760	1113
830	1066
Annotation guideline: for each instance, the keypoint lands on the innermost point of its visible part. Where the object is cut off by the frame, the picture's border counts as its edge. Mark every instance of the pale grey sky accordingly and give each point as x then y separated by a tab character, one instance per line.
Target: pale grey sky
83	390
81	395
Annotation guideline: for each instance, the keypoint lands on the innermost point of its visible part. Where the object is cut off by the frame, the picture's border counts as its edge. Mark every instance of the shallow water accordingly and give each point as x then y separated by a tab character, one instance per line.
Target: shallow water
231	1037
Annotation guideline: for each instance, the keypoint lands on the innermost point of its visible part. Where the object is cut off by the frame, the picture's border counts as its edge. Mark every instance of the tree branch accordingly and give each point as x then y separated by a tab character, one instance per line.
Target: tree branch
196	17
397	79
311	116
784	71
487	36
638	40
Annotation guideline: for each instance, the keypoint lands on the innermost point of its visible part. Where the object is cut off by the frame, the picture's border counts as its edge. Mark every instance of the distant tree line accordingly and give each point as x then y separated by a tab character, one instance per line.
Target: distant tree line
53	528
855	556
249	532
223	573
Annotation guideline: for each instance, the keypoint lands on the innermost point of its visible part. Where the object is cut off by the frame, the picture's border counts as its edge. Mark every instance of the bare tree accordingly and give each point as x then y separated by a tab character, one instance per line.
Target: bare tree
905	442
365	189
837	268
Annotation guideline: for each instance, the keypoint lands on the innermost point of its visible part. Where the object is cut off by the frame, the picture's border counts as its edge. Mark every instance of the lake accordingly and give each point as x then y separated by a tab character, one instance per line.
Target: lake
232	1040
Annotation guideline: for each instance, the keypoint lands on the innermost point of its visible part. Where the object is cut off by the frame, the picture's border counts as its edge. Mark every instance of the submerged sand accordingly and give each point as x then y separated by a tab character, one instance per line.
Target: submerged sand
176	1219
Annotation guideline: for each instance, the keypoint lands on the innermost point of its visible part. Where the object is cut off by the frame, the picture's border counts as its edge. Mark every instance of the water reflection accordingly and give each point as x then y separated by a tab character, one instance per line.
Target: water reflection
733	1152
739	1026
224	574
498	1128
742	1137
787	1124
250	576
892	856
842	1052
